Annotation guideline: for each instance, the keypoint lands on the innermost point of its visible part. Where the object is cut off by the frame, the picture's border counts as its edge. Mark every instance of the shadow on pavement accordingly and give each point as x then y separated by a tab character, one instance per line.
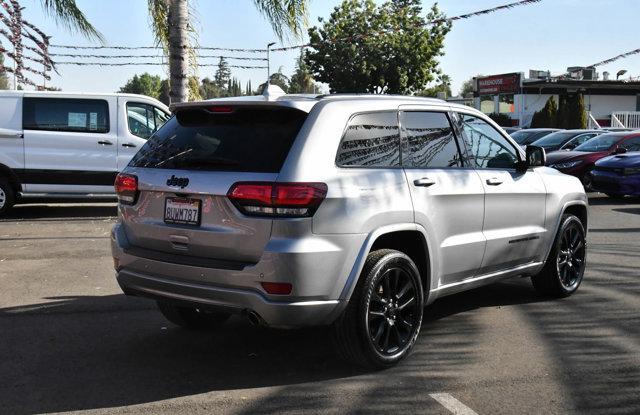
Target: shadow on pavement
89	352
68	212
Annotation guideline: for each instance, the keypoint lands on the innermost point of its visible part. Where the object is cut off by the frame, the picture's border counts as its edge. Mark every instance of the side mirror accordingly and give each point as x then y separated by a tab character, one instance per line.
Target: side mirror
536	156
619	150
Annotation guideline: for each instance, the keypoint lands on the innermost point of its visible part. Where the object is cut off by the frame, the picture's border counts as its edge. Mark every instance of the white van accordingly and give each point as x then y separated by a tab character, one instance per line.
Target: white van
70	145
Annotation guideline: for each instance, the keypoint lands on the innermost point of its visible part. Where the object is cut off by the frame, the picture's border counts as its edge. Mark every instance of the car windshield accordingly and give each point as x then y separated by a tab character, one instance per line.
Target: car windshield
522	135
601	143
554	139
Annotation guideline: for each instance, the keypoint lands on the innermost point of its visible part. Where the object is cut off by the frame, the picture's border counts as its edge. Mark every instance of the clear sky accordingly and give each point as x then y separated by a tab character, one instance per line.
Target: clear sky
550	35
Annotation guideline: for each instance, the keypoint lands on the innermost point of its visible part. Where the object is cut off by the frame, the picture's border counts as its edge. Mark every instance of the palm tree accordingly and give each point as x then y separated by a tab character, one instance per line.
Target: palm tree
67	13
171	21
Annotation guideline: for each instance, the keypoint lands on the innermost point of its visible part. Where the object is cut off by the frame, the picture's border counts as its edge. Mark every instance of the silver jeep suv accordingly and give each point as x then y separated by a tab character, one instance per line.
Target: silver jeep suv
352	211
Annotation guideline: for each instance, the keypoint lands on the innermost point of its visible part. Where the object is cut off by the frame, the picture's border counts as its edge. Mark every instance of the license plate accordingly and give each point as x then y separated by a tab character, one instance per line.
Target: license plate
182	211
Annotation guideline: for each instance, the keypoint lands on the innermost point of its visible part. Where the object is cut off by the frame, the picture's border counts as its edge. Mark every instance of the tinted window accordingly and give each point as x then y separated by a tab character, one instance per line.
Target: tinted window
65	114
487	147
428	140
554	139
600	143
371	140
144	119
253	140
632	144
521	136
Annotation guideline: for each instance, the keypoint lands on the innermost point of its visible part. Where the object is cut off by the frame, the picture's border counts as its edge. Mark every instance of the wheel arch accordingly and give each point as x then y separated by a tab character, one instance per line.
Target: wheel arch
410	239
577	208
14	181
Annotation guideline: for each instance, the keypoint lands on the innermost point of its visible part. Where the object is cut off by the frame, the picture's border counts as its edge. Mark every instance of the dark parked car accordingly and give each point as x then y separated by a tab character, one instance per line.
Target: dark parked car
618	175
581	160
565	139
511	130
528	136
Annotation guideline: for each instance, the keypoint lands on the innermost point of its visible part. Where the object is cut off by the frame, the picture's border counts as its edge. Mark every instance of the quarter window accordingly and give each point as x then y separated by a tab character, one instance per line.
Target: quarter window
488	149
66	114
144	119
428	140
371	140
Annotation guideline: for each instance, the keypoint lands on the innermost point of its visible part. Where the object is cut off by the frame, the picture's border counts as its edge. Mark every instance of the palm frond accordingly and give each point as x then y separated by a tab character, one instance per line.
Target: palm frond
67	14
158	18
285	16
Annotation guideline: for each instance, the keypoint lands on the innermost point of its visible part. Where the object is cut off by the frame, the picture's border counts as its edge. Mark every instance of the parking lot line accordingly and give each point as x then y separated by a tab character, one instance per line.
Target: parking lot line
452	404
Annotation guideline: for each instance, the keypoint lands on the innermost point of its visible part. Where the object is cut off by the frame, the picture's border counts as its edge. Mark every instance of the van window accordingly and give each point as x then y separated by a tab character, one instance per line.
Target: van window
245	139
428	140
371	140
66	114
144	119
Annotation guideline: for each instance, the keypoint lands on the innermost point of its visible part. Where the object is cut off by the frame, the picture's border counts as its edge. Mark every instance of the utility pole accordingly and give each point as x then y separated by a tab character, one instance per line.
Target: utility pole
269	62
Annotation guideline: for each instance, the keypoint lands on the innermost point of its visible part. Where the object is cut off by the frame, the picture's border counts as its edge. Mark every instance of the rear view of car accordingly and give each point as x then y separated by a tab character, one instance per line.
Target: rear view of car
618	175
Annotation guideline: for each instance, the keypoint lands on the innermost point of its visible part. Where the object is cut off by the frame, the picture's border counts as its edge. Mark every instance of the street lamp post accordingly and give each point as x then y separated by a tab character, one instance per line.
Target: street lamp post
268	61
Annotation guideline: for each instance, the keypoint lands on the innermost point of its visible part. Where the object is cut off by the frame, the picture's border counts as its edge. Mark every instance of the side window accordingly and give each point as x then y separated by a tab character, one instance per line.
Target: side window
488	149
161	117
66	114
141	119
632	144
371	140
428	140
582	139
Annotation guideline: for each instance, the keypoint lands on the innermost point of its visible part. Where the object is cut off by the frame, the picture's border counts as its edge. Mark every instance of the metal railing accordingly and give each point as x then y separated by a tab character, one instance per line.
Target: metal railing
626	119
592	123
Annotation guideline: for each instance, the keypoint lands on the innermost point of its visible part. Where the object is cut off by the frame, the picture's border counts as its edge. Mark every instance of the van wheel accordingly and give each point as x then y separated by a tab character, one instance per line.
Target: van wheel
383	318
7	196
564	269
192	318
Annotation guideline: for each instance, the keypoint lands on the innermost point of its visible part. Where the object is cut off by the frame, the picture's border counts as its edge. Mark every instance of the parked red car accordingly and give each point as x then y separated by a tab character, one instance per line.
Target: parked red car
581	160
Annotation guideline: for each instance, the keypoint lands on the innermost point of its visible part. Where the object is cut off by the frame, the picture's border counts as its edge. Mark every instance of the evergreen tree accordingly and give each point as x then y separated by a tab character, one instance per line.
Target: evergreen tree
145	84
223	74
302	80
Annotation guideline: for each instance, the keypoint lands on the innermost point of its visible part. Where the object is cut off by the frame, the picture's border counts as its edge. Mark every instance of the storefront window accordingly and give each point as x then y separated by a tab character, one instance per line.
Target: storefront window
507	104
487	104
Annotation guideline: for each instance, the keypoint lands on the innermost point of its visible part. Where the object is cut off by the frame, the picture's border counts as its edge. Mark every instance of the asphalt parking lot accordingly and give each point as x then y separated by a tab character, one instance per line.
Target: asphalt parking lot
70	341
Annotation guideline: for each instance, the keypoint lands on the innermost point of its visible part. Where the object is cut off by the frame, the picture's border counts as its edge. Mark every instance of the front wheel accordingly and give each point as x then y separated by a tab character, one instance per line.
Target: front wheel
7	197
383	318
192	318
563	272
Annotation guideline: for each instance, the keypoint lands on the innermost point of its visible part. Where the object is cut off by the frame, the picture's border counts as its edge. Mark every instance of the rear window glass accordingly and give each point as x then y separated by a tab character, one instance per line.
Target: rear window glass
371	140
247	140
66	114
601	143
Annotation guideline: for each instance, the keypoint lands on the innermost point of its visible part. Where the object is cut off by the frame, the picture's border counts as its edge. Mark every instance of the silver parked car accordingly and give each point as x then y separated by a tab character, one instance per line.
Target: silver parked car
349	211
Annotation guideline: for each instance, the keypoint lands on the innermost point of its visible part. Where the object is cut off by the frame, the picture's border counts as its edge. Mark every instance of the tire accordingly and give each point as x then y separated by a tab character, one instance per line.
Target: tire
564	269
382	320
7	196
192	318
614	196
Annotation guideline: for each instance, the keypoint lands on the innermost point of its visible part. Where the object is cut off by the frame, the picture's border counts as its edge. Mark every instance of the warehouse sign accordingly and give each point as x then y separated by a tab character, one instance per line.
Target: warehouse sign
499	84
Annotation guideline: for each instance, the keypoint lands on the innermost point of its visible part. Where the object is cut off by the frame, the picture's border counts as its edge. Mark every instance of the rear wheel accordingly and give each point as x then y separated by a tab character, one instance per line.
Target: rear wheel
192	318
383	318
7	196
563	272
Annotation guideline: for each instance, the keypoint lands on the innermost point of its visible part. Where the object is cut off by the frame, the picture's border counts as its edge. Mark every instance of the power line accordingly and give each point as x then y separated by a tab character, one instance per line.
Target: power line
158	48
615	58
149	63
82	55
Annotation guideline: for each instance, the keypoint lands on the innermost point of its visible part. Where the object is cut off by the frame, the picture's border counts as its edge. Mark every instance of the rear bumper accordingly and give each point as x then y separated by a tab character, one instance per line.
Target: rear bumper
318	271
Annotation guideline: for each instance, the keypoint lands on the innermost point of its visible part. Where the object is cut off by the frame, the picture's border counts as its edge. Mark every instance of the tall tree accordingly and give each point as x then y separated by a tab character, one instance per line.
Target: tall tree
466	89
171	24
223	74
302	79
443	86
67	13
380	49
4	80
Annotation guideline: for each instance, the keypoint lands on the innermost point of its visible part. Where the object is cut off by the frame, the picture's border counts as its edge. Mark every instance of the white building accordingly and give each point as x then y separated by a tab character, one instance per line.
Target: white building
520	98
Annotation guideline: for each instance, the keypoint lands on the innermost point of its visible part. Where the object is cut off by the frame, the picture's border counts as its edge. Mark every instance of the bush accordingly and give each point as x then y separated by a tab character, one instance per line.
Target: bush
547	117
503	120
571	113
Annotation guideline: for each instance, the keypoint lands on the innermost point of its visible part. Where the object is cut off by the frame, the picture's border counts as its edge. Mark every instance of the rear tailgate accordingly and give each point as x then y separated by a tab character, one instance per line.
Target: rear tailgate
185	172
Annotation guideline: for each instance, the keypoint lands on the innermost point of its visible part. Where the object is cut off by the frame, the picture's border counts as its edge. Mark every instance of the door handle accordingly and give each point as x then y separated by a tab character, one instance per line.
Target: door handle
424	182
128	145
105	143
494	181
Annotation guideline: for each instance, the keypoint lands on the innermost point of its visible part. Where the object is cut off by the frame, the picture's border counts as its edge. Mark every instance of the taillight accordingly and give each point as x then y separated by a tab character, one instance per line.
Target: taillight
126	188
277	199
277	288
